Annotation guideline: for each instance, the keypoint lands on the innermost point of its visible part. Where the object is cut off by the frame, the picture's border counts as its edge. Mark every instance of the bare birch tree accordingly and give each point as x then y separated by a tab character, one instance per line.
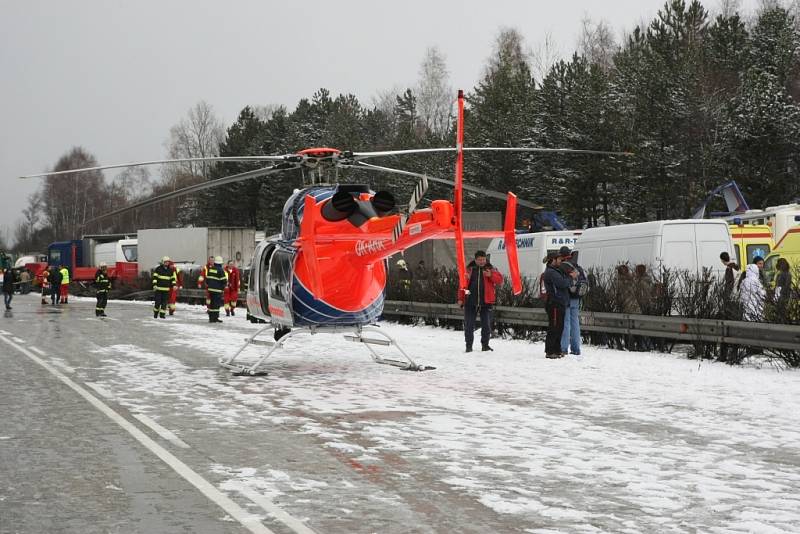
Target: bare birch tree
196	136
69	201
434	94
596	43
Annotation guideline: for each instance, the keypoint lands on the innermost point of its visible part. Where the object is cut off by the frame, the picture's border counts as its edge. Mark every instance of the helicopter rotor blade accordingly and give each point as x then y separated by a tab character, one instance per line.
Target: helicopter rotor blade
159	162
359	156
471	188
548	150
257	173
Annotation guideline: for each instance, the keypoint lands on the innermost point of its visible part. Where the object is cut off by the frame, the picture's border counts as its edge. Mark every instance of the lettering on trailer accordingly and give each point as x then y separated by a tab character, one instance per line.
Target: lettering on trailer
527	242
522	242
368	247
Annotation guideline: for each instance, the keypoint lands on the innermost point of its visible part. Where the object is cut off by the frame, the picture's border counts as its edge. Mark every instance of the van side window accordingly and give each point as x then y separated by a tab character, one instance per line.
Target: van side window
761	249
738	253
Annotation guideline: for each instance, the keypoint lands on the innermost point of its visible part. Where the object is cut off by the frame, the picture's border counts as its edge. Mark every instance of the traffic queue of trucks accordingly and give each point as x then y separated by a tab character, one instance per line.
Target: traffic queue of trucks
129	255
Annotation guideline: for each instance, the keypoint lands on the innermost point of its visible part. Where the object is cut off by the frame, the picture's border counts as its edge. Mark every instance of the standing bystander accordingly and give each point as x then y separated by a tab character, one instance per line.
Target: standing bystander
478	298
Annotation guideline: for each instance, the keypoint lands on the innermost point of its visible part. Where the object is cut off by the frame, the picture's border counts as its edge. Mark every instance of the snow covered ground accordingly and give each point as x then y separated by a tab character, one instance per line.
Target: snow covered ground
618	441
503	441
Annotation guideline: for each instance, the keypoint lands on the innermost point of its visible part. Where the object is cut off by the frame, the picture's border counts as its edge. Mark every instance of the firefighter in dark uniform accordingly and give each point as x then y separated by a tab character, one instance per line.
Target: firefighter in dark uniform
216	282
102	283
164	280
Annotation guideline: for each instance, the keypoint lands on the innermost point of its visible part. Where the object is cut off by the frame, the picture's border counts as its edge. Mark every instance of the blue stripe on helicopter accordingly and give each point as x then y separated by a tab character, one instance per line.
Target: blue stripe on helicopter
309	311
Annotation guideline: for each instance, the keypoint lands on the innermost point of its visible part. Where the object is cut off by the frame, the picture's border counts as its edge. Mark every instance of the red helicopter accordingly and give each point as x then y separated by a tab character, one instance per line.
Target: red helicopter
326	270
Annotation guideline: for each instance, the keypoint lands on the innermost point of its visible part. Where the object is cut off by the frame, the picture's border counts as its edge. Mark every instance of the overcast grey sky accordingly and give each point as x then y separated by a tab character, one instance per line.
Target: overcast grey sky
113	77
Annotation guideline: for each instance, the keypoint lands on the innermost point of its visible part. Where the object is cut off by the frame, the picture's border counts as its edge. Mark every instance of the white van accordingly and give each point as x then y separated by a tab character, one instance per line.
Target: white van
531	251
691	244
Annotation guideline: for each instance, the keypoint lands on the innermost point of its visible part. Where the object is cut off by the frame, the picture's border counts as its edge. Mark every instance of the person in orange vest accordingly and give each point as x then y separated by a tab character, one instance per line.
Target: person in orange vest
172	298
232	290
202	278
42	278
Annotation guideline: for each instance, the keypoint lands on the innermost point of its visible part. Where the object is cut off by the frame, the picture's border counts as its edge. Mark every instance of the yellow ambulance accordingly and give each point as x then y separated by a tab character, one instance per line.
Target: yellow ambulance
749	241
789	248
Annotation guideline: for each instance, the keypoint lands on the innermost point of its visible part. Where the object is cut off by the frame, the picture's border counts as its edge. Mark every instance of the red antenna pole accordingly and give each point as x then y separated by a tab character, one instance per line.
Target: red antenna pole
459	195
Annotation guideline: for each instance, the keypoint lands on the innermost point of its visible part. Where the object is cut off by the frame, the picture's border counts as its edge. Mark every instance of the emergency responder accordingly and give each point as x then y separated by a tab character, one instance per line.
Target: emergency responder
202	278
64	283
54	276
216	282
232	289
102	283
163	280
43	280
172	299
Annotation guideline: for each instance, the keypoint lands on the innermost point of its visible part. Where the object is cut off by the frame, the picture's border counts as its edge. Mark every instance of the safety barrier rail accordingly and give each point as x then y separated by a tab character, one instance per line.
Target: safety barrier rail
681	329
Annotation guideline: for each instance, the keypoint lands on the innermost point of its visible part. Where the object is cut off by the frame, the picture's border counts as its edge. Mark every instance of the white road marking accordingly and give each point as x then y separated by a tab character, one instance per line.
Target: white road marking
18	340
248	520
37	351
161	431
100	390
272	509
5	333
63	366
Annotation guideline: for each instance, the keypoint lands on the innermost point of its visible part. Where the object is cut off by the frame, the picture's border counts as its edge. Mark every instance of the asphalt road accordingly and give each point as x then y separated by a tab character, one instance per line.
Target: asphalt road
81	452
128	424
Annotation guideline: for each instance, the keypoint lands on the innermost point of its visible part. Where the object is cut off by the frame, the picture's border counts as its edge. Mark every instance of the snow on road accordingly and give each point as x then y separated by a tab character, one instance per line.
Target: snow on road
624	442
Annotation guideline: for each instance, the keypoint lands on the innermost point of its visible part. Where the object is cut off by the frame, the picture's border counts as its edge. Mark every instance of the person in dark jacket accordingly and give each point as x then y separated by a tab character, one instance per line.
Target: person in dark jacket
216	282
8	287
55	285
164	280
557	284
478	299
783	285
102	284
730	277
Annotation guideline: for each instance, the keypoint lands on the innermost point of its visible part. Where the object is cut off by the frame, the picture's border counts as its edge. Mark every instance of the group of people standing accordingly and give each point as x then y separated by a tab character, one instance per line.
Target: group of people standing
563	285
221	285
753	287
54	282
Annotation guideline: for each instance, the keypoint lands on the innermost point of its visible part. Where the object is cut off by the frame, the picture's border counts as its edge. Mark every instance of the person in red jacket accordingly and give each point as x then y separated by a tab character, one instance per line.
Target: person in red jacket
478	299
232	290
172	298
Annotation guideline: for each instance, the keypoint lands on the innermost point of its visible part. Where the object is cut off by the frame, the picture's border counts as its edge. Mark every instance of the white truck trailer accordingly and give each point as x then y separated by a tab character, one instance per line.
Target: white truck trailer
193	246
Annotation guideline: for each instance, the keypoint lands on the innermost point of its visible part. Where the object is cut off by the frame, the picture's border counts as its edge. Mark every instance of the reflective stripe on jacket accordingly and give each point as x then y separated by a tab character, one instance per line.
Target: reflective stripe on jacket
216	279
101	281
163	278
64	275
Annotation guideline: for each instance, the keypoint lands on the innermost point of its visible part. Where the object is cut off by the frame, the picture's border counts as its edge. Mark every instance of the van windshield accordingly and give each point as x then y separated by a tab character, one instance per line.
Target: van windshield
130	252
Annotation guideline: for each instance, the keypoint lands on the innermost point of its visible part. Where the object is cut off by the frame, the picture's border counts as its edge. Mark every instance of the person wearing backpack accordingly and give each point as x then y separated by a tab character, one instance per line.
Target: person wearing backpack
571	336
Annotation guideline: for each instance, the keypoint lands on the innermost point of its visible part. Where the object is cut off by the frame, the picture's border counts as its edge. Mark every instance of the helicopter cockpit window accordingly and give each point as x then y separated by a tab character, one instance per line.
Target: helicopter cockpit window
280	276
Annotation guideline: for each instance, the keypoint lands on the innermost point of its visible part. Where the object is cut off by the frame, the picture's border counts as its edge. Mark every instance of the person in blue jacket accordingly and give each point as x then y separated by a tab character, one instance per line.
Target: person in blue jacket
557	283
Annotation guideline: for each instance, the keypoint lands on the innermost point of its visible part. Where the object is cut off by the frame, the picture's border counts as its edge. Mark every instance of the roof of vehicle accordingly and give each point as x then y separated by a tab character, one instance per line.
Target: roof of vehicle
645	229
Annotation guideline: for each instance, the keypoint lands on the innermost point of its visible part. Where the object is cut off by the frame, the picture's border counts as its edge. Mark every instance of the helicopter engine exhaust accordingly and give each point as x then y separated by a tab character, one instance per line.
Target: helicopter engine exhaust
345	204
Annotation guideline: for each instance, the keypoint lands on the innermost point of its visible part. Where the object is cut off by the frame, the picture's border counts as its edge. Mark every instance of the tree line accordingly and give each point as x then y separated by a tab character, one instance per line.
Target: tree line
699	98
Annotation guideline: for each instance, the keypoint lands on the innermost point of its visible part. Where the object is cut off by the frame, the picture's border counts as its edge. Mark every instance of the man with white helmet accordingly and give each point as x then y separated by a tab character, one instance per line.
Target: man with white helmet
102	283
164	280
216	282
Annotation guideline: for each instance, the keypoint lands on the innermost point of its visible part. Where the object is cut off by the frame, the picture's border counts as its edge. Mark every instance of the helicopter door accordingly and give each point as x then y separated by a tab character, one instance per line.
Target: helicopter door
280	287
262	272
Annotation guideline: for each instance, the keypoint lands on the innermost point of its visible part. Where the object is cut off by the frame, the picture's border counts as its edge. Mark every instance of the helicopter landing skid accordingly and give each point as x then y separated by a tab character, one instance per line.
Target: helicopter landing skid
408	365
357	336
